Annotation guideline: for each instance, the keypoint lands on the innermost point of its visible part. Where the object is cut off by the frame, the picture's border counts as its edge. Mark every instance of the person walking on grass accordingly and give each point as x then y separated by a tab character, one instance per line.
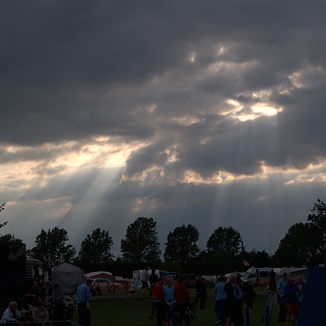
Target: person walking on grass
236	314
201	292
152	280
280	291
300	284
272	280
220	301
83	296
228	288
182	300
170	302
291	296
158	300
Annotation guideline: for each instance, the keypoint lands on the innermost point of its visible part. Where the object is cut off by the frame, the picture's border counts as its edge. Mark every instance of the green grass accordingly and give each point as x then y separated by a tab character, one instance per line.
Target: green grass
136	311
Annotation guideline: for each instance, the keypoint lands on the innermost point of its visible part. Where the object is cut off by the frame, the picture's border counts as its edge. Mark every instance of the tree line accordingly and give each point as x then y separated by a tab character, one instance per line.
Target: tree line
303	244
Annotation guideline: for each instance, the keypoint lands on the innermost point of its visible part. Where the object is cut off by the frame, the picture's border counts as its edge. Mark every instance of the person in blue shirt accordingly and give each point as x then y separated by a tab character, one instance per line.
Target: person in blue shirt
280	291
236	315
82	297
291	296
220	301
169	300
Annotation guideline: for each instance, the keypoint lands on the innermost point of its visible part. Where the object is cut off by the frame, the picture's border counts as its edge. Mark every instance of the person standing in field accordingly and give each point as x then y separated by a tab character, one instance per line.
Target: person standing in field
158	300
83	296
228	288
272	280
169	300
201	293
300	284
236	314
280	291
152	280
291	296
58	302
249	294
182	300
220	301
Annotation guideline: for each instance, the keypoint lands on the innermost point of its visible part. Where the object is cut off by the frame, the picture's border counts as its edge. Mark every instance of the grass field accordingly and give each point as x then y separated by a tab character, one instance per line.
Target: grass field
135	311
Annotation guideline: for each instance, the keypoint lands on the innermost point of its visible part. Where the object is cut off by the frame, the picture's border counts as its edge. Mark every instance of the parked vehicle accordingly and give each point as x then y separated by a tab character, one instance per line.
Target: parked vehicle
99	285
258	276
144	274
189	280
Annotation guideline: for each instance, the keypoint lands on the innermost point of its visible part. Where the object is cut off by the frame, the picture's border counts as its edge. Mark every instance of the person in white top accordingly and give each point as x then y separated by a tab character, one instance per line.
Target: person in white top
11	314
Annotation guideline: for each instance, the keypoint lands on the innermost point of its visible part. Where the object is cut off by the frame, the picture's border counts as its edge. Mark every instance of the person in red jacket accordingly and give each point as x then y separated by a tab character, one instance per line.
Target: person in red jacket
158	300
182	300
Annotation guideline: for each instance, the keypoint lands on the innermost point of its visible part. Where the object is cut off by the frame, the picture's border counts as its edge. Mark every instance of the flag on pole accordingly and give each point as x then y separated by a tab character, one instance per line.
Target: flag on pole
245	263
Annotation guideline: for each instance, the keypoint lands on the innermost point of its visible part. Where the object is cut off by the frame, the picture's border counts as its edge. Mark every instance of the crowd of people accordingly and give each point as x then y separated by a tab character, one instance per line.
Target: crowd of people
171	300
41	303
44	303
231	295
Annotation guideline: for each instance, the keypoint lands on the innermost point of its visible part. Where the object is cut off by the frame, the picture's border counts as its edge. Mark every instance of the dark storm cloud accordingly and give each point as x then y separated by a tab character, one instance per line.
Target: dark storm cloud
74	70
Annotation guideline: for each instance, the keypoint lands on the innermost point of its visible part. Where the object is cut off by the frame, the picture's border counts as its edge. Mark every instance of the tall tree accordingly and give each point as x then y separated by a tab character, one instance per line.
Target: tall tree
181	245
12	271
8	243
305	243
225	240
96	248
317	218
141	244
258	258
51	247
297	246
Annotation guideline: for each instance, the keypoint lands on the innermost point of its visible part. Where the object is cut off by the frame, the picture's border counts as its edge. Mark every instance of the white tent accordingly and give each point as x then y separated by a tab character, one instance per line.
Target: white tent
68	276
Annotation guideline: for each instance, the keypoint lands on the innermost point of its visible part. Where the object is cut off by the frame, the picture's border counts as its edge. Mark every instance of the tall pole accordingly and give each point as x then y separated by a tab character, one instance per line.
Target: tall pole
270	242
242	256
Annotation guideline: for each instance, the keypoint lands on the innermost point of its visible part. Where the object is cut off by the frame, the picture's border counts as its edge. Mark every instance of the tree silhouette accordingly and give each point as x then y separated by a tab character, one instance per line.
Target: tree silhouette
96	248
181	245
141	244
52	248
225	240
305	243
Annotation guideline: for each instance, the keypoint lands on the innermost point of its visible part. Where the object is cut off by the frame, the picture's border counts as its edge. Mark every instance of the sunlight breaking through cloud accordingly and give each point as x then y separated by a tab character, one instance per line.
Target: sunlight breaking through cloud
237	110
26	165
312	173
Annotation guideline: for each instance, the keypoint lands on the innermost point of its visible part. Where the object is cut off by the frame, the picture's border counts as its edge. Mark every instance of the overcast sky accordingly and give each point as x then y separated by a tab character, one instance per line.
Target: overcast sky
203	112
